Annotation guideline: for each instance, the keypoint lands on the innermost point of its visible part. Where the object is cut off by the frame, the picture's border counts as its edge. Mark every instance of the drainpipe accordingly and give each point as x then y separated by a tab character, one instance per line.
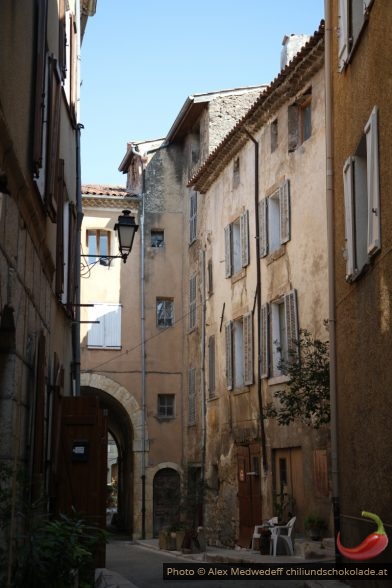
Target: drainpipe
203	370
79	218
258	300
331	269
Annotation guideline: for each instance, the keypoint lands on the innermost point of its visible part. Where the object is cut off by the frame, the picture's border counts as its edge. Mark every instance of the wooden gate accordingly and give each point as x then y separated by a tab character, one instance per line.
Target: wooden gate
249	491
81	464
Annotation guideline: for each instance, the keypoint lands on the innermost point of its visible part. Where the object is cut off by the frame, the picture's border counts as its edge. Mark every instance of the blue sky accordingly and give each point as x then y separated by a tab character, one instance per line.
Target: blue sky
141	60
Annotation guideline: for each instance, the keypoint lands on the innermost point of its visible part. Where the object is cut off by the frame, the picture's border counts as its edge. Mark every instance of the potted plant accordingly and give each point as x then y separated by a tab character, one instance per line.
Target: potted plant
315	526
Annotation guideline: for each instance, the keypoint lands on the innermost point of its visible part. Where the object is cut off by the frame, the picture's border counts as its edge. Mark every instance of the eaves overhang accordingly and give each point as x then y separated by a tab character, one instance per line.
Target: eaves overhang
284	87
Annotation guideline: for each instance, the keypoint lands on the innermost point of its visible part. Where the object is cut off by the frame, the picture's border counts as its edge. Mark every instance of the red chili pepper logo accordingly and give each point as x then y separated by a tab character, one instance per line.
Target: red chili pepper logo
372	546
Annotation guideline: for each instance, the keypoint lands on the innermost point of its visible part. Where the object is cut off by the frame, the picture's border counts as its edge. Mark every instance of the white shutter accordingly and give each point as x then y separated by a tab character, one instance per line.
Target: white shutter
263	227
343	34
264	341
112	325
244	238
228	264
95	336
229	354
373	183
291	315
284	207
348	175
247	334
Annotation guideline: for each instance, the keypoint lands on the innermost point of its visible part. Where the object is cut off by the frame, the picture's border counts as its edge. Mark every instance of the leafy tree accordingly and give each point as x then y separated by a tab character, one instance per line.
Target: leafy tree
306	394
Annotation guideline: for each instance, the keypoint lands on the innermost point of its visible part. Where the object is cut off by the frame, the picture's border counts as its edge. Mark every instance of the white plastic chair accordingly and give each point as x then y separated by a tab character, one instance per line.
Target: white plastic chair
257	530
282	532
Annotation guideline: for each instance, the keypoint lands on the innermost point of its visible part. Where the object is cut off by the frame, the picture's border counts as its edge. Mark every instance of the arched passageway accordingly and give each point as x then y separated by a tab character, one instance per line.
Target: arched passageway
121	415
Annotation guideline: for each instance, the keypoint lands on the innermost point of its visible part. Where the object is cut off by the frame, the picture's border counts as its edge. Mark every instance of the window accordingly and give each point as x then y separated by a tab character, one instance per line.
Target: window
362	201
105	330
274	135
278	333
98	245
165	406
191	396
192	302
157	238
352	17
165	312
300	121
239	352
192	216
236	173
211	366
237	245
274	220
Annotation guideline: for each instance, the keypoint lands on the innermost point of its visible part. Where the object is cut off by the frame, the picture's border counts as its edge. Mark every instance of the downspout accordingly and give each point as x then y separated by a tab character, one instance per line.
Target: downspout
331	270
143	353
258	301
203	371
79	219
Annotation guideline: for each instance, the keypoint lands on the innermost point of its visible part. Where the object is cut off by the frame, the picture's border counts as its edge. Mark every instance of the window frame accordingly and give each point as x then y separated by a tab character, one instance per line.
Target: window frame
99	256
239	352
159	243
283	194
296	120
166	407
347	43
165	301
237	252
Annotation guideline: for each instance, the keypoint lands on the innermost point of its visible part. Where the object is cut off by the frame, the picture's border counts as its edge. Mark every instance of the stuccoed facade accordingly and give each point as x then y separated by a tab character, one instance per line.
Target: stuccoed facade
261	272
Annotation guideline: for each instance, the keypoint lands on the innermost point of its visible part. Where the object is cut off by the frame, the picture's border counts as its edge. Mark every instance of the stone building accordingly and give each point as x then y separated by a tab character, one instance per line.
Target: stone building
260	269
141	376
359	148
39	176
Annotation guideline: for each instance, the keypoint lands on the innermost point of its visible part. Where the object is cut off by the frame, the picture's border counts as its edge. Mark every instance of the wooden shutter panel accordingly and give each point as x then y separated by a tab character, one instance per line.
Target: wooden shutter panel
263	227
228	270
73	66
192	216
293	127
211	366
247	334
373	183
60	232
112	326
62	40
39	99
291	314
348	176
343	34
53	138
72	258
229	354
244	238
95	335
284	207
264	341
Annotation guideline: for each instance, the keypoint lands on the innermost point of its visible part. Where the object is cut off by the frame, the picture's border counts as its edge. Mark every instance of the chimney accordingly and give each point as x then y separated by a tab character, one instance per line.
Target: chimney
291	45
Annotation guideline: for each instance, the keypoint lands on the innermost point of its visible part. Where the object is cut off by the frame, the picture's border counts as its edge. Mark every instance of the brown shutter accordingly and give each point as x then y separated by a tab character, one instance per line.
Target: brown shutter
73	66
53	138
60	231
62	40
39	99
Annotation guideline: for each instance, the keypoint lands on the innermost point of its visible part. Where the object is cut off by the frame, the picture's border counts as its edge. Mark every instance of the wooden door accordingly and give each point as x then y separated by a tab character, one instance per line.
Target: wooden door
166	499
81	462
249	491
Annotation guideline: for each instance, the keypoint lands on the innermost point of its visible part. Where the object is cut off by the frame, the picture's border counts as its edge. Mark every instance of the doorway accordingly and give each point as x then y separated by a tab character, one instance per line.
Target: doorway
166	499
288	483
249	491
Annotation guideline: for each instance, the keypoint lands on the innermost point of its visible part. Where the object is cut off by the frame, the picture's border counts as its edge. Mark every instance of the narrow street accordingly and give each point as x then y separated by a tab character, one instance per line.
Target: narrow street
143	567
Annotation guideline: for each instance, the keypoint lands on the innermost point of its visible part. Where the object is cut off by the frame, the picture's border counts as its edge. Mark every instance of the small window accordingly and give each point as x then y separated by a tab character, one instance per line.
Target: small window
98	244
236	173
274	135
300	121
157	238
165	312
165	406
237	245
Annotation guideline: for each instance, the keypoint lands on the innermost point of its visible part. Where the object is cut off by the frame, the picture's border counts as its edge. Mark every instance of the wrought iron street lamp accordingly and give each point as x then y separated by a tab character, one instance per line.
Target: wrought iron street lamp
126	229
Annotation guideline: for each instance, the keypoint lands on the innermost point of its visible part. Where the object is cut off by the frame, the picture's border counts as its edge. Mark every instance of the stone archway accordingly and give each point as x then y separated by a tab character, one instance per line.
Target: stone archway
125	425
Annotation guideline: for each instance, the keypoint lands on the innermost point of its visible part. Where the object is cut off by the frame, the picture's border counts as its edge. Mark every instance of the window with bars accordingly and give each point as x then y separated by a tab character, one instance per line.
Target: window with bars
239	352
165	312
192	303
237	245
166	406
192	396
278	333
274	220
